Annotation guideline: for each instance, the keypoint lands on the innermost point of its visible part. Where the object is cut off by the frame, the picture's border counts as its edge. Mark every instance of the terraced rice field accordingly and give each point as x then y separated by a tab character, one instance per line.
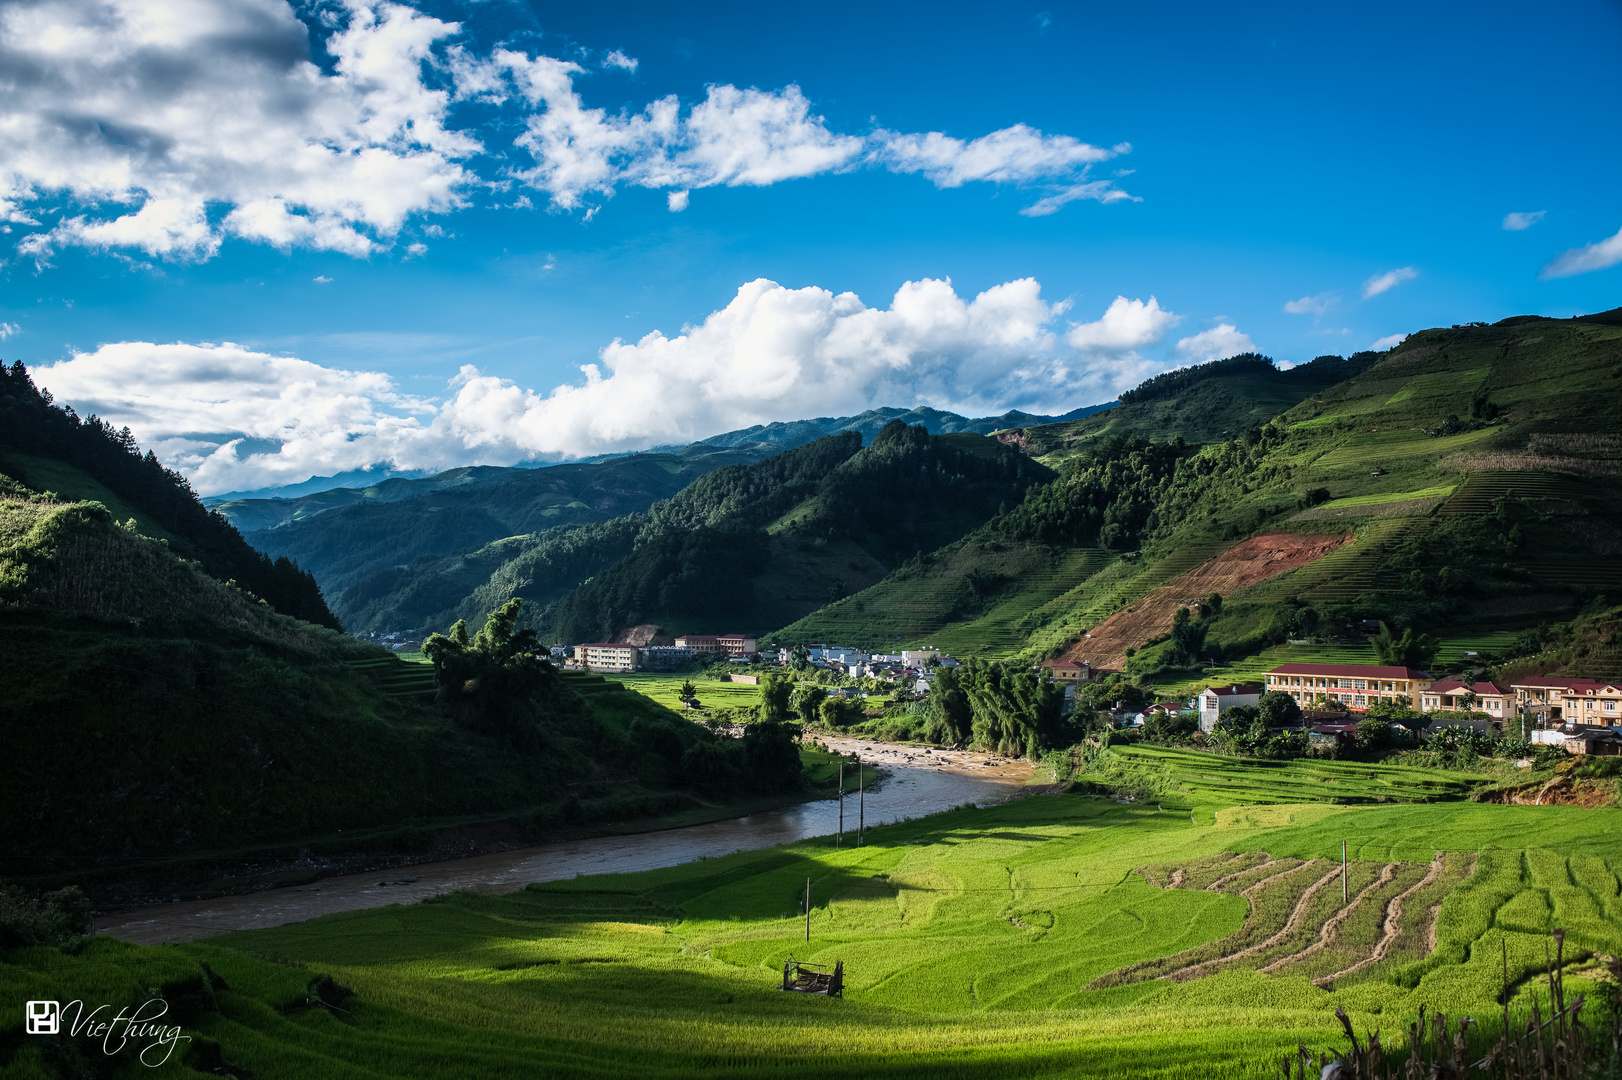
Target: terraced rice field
1193	779
399	678
1055	936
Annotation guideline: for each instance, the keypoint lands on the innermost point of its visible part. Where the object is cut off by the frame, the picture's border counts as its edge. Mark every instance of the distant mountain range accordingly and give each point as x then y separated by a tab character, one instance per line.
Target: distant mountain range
380	483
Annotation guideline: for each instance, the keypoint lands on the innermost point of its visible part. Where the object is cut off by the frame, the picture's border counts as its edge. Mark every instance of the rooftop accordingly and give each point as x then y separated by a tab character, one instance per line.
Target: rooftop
1356	671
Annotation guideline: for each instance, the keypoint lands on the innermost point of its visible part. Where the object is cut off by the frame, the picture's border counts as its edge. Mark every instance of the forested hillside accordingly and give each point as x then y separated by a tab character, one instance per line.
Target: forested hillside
1475	470
158	718
1200	404
751	548
49	448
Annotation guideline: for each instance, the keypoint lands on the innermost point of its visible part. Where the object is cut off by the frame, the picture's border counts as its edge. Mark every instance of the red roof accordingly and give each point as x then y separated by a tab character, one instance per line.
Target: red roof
1242	690
606	645
1480	689
1554	682
1355	671
1066	664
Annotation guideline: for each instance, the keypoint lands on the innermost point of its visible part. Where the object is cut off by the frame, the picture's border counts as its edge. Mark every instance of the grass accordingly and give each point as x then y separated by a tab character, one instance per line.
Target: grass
666	690
970	940
1437	492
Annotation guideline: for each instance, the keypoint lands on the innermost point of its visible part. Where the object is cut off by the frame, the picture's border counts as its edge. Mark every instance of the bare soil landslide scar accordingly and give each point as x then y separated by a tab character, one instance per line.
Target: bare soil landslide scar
814	978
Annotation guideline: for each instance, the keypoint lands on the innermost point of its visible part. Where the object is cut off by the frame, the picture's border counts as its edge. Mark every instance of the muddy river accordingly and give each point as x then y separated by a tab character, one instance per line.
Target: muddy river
917	784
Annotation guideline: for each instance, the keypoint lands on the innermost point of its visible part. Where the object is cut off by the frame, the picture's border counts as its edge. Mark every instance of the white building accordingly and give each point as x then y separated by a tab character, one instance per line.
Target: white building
1213	699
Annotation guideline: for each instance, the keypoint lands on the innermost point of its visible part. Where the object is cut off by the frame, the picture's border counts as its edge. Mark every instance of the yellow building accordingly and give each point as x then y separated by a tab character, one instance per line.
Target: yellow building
607	656
1356	686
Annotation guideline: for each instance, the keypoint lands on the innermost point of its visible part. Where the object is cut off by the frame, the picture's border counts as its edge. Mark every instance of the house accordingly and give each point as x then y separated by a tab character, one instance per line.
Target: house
1356	686
1571	701
1451	695
1072	672
718	644
607	656
1213	699
1330	734
919	657
1584	739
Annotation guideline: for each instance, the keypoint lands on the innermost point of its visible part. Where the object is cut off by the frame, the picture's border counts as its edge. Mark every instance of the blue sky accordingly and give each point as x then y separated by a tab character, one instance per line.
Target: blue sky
1301	179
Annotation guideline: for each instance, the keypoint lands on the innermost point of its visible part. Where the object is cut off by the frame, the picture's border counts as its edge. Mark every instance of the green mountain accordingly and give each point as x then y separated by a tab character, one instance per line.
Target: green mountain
382	553
1200	404
1467	478
749	548
49	448
157	716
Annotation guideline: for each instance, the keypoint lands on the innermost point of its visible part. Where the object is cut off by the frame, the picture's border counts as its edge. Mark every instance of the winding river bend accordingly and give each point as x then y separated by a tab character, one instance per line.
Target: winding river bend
917	784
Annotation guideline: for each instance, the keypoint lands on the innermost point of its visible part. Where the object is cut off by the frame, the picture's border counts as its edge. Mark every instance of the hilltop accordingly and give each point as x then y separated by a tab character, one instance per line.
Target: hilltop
1468	475
164	726
48	447
751	547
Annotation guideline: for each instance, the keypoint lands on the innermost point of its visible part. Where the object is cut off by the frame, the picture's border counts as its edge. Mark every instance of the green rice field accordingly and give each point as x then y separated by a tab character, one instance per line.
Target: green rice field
1058	935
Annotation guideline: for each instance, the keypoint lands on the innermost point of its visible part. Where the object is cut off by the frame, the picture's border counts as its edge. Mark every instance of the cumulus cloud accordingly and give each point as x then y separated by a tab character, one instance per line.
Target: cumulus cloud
677	201
183	124
1597	256
1380	283
1390	341
169	129
1126	326
1313	305
1518	221
1218	343
233	418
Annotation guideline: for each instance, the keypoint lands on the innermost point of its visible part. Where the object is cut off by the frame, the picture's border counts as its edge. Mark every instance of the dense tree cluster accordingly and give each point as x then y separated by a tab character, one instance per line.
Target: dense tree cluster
696	554
1004	707
31	422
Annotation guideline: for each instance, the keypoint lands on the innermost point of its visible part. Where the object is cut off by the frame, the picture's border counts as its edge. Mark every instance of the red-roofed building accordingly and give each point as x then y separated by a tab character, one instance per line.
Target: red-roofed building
1571	701
1070	671
724	644
1356	686
1453	695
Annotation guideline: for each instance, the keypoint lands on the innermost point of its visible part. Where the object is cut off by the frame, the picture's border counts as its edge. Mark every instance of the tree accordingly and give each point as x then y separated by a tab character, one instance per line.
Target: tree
773	756
1277	709
1169	729
774	697
1409	650
1391	709
689	692
493	681
807	699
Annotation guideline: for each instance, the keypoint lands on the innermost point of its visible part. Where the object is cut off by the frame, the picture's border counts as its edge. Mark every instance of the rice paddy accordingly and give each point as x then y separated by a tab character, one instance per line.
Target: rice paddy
1054	936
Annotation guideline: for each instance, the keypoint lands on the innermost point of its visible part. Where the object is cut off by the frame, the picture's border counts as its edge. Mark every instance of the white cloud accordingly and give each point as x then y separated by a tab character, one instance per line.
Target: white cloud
1518	221
1380	283
322	279
1217	343
197	120
1313	305
1127	325
232	418
1390	341
170	128
8	329
1597	256
677	201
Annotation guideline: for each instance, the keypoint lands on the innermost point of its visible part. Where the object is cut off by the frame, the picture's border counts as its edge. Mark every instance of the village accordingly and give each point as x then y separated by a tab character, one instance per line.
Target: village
1577	714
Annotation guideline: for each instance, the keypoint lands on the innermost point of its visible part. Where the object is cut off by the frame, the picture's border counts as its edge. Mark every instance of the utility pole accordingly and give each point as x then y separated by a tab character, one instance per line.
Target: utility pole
1343	873
808	909
861	804
841	841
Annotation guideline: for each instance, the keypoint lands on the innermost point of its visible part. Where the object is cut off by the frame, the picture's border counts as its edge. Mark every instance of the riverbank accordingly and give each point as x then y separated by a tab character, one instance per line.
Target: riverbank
908	791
